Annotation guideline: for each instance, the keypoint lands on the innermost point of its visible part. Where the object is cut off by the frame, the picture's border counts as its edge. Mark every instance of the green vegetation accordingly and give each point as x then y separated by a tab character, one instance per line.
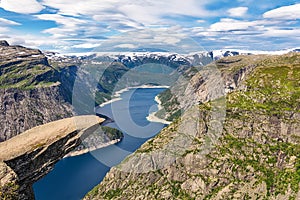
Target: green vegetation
170	104
101	97
113	193
268	161
273	88
94	192
112	133
9	191
26	76
177	192
111	76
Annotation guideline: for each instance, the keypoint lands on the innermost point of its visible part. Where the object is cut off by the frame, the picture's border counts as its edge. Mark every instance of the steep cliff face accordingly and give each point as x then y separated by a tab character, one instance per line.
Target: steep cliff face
244	146
26	158
31	91
24	109
205	83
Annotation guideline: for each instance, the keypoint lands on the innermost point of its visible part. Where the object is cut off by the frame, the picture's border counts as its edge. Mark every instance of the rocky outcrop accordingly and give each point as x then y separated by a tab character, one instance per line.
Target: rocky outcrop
103	137
22	67
244	146
24	109
26	158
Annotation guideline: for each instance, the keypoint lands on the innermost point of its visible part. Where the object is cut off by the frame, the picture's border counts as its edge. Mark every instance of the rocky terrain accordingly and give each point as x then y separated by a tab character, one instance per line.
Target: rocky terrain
242	145
29	156
24	109
31	92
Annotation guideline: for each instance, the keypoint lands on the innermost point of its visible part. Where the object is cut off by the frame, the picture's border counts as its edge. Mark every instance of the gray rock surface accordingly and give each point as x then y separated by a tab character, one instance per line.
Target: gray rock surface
26	158
25	109
31	91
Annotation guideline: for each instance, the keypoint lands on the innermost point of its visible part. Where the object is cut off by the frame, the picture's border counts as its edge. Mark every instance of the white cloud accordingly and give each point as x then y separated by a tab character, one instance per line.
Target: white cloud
276	32
117	21
233	28
86	45
151	23
76	8
147	12
227	24
153	12
8	22
291	12
33	41
4	30
21	6
201	21
127	46
117	16
160	38
110	17
237	12
69	27
59	19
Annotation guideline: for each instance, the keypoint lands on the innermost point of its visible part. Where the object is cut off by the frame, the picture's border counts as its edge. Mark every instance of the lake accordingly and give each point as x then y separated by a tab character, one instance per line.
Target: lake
73	177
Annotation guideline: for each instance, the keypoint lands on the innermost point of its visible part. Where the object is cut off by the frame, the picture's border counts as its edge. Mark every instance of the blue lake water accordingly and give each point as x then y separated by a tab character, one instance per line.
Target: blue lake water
73	177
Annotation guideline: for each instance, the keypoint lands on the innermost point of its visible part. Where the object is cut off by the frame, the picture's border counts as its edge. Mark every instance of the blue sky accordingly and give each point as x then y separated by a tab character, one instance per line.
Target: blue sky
189	25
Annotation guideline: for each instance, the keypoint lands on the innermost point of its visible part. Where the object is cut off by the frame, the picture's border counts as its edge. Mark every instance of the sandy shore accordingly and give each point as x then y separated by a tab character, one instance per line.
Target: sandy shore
89	149
152	118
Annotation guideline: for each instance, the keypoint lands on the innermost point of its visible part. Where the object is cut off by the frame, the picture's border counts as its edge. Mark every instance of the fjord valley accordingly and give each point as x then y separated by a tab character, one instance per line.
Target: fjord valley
234	131
244	145
37	91
149	100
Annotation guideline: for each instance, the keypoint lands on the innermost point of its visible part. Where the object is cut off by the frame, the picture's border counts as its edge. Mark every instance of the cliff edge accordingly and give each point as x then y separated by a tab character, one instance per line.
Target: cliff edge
29	156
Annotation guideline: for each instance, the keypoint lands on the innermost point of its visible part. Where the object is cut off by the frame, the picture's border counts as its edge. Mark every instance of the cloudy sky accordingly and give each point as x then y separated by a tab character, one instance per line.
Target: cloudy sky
86	25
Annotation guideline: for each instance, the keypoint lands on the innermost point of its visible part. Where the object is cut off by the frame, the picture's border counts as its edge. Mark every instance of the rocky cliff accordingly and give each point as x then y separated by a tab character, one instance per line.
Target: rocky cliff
31	91
244	145
29	156
24	109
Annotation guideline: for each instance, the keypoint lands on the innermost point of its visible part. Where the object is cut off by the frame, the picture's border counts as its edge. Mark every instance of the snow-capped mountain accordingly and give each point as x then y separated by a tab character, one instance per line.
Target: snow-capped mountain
174	60
217	54
133	59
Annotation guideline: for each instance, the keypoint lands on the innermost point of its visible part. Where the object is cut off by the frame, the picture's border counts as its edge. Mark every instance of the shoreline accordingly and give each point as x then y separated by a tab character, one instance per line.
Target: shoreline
90	149
117	95
152	118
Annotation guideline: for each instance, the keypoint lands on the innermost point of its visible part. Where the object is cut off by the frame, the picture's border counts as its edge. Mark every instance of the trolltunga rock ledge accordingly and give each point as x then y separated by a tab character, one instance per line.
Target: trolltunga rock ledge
27	157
